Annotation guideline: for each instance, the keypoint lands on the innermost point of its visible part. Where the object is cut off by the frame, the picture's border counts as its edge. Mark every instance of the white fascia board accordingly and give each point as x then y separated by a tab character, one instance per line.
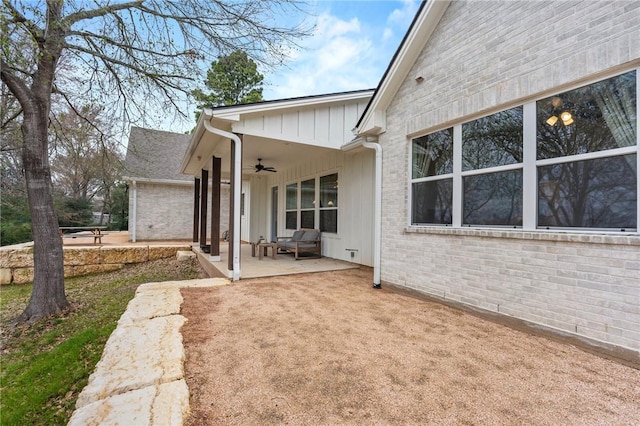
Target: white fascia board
191	164
235	113
374	120
160	181
193	143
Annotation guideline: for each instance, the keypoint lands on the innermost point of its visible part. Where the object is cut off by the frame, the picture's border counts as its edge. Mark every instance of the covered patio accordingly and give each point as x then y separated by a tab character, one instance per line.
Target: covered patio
290	164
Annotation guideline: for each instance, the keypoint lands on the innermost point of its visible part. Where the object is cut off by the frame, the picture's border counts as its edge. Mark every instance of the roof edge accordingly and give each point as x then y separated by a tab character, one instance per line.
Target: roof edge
373	119
231	112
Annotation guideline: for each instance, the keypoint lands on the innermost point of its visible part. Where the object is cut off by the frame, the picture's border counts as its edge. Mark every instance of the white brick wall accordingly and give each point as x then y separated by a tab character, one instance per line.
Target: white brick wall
488	56
165	212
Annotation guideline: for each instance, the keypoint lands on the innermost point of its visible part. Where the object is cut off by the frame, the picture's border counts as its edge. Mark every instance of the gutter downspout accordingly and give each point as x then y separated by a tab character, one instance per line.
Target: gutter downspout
237	177
377	210
134	212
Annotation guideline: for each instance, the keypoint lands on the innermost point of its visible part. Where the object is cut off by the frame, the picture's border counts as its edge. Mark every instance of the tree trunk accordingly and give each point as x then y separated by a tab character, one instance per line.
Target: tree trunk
48	295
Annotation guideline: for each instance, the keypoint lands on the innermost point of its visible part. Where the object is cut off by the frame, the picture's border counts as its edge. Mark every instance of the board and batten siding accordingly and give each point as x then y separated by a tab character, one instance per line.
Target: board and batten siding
326	126
355	202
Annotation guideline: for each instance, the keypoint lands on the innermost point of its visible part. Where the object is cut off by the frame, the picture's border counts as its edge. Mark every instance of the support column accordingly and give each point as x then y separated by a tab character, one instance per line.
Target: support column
216	165
204	192
196	209
232	208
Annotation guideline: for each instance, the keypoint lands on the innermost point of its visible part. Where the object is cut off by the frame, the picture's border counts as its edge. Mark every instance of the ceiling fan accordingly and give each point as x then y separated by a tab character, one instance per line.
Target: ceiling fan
260	167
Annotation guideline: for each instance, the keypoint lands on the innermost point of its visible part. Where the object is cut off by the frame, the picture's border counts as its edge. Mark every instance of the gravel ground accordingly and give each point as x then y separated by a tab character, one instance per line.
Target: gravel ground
328	349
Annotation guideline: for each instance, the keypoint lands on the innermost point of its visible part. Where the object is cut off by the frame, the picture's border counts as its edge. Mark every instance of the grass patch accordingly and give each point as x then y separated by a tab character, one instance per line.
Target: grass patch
45	365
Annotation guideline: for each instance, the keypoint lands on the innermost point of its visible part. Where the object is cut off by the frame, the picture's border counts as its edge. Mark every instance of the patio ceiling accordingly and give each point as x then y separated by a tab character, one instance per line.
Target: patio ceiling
277	153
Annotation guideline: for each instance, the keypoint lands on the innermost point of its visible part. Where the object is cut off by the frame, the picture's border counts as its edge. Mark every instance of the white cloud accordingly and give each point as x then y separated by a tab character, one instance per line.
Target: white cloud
345	52
329	62
401	15
387	34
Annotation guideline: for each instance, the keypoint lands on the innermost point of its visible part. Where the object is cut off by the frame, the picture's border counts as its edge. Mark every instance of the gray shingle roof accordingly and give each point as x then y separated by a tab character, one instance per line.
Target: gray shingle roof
155	154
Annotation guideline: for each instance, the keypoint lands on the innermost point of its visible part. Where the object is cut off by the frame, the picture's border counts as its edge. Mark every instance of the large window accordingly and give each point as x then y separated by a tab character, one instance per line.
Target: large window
318	204
575	166
492	169
589	179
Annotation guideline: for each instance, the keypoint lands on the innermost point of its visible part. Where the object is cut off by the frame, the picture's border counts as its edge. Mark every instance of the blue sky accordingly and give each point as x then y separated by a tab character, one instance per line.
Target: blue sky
351	47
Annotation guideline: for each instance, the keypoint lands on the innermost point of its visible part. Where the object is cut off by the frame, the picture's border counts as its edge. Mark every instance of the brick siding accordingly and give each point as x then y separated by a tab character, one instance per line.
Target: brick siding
493	55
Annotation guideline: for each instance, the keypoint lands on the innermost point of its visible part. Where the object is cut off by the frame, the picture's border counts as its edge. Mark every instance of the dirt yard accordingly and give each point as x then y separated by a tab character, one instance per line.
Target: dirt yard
328	349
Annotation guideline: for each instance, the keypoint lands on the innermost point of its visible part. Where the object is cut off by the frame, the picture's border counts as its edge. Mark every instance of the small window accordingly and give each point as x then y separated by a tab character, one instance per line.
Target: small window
493	199
292	206
307	203
433	154
492	141
432	201
329	203
593	118
599	193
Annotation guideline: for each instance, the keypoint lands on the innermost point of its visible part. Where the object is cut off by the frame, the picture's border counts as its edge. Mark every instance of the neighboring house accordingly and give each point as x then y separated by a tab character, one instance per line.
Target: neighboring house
160	197
495	166
509	133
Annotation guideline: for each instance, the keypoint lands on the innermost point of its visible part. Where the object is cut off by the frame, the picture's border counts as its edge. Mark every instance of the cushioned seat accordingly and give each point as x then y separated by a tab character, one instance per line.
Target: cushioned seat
302	241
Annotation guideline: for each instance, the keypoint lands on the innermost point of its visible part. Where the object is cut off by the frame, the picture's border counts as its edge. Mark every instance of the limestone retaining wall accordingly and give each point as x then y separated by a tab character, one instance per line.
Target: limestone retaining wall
16	262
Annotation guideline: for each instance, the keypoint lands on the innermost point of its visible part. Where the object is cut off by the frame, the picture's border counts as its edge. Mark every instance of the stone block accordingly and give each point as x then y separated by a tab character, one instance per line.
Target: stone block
171	405
81	255
129	408
164	252
184	255
137	355
124	254
152	302
16	258
5	276
22	275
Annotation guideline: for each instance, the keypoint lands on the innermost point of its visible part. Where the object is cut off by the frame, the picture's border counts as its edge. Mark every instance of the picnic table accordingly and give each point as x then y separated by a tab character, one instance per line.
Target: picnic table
79	232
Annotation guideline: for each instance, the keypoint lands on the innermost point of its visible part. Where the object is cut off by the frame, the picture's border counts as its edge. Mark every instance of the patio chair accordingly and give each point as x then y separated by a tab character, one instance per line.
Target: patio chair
302	241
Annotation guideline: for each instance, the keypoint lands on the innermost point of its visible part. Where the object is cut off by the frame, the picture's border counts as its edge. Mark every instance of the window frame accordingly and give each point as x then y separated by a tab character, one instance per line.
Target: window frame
529	167
317	209
287	209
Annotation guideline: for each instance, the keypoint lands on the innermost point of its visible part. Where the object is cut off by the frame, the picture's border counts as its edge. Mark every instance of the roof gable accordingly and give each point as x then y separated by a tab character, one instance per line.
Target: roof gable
373	120
155	155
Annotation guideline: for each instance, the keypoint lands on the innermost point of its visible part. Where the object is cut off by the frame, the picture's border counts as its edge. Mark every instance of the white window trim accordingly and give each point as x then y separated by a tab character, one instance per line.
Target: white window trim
317	209
529	167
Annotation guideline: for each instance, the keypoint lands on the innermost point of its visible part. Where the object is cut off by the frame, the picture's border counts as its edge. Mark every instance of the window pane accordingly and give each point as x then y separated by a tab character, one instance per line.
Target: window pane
307	219
308	194
493	199
432	202
292	220
493	141
433	154
594	118
292	196
329	221
329	191
599	193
